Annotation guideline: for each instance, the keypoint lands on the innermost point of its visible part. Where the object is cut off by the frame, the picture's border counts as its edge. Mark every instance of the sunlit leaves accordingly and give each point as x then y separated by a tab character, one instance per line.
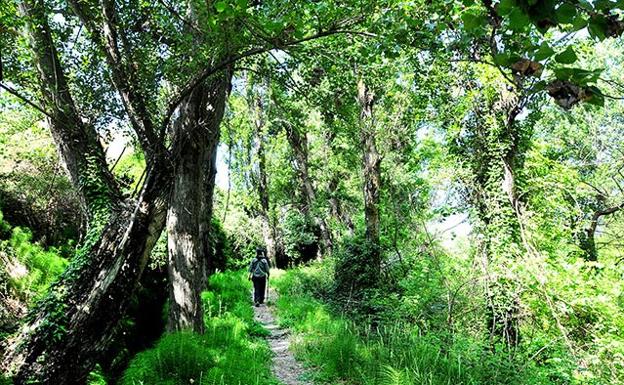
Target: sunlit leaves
544	52
473	20
566	57
566	13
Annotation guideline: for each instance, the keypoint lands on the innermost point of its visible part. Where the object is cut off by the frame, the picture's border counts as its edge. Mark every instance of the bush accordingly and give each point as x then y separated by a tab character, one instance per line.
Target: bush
300	237
41	266
393	353
355	275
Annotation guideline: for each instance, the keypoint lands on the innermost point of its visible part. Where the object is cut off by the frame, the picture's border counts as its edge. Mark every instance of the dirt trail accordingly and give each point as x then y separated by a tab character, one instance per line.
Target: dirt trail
285	367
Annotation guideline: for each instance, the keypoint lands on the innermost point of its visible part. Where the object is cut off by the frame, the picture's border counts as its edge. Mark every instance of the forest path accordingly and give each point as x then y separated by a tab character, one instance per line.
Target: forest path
285	367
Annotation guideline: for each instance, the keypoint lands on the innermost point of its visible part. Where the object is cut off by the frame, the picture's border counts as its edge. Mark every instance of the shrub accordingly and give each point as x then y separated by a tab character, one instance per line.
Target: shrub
355	277
42	266
300	237
392	353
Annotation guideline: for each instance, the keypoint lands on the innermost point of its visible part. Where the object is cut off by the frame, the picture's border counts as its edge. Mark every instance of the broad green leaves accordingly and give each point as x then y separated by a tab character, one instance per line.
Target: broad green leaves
566	57
544	52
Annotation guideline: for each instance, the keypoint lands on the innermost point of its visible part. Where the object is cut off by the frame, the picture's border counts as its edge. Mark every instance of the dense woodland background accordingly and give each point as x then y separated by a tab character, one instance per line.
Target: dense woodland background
444	182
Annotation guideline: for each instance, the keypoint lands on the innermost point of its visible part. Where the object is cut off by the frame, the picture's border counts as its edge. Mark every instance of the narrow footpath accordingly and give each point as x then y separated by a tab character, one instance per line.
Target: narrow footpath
285	367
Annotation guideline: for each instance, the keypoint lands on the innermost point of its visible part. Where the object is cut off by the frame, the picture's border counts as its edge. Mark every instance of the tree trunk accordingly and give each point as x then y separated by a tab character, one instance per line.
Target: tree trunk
299	144
587	239
69	330
190	207
496	159
371	164
77	143
269	232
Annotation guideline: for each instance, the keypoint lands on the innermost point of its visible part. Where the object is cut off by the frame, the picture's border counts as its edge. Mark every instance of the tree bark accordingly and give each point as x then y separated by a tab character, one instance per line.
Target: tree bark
587	241
77	143
72	327
123	72
371	165
269	233
299	143
69	329
190	207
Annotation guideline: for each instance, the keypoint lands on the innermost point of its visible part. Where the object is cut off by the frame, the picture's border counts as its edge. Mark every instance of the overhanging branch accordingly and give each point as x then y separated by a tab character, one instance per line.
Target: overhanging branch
209	71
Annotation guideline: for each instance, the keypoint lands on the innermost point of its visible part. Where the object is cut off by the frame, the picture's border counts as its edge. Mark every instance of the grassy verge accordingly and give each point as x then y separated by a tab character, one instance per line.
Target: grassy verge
341	351
231	352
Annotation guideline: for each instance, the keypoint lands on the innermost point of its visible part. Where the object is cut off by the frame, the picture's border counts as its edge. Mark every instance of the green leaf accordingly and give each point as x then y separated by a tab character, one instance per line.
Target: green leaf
598	27
596	99
472	21
605	5
563	73
220	6
518	20
579	23
506	59
579	76
566	13
567	57
544	52
505	7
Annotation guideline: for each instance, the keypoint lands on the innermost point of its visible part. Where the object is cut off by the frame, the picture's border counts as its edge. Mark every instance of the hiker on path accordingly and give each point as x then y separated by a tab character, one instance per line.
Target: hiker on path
259	274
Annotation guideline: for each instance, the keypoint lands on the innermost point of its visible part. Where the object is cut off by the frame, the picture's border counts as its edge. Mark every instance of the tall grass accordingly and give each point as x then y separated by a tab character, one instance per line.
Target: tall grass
343	351
231	352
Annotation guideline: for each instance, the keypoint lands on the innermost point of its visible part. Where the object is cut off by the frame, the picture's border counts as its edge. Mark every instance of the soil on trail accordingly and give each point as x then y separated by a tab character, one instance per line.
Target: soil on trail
285	367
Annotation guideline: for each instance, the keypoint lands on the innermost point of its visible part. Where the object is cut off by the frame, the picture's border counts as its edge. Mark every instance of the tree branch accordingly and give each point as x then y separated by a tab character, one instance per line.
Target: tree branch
209	71
26	100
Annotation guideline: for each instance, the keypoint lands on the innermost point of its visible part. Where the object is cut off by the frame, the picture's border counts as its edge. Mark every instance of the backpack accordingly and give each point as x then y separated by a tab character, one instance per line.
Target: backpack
258	268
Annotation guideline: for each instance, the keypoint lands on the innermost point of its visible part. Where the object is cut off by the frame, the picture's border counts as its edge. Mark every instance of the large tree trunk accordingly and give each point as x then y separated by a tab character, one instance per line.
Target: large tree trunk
299	144
190	206
73	325
497	159
371	164
70	328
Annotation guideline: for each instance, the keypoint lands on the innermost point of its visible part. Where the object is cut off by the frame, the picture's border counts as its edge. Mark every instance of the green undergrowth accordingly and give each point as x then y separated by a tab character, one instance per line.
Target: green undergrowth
340	350
33	266
231	352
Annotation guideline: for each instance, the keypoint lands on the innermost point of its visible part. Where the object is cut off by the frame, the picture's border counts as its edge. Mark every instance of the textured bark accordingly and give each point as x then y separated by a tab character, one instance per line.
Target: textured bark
73	326
77	143
190	207
299	144
371	164
69	329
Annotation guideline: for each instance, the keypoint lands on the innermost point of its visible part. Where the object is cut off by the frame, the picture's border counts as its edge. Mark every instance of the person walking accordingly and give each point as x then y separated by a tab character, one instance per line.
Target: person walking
259	271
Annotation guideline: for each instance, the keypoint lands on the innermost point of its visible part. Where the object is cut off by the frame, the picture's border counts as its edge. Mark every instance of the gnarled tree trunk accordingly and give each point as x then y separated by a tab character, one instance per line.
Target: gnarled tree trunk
69	329
74	325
